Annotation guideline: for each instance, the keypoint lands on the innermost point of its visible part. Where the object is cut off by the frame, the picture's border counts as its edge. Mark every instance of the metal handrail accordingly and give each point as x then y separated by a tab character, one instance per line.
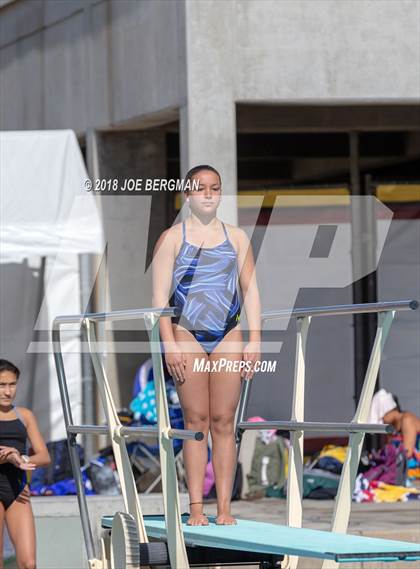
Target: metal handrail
340	309
314	426
131	432
334	310
129	314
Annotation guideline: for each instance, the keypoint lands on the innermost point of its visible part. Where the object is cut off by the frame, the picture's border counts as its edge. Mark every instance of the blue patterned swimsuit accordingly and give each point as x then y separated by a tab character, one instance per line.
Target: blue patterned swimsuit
205	288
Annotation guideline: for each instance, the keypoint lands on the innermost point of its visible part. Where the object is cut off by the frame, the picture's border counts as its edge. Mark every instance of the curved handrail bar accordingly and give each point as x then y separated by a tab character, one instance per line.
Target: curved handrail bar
133	432
129	314
349	427
99	316
368	307
132	314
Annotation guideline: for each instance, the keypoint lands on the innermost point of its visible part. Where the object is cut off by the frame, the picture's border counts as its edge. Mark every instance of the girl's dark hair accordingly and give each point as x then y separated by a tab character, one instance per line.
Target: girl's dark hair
395	398
199	168
5	365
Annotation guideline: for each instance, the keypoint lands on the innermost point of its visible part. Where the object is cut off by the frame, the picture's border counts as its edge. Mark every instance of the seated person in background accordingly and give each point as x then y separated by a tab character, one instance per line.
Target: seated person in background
386	409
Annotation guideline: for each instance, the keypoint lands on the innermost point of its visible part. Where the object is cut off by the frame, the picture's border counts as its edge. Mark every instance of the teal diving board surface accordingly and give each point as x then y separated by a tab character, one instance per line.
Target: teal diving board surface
275	539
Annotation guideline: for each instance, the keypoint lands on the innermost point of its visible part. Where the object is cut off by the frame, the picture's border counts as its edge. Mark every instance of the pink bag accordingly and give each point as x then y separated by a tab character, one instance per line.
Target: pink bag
208	479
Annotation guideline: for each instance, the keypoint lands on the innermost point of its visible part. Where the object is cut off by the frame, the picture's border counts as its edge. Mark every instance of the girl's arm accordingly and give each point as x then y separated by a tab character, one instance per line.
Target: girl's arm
163	263
40	456
252	304
162	267
249	287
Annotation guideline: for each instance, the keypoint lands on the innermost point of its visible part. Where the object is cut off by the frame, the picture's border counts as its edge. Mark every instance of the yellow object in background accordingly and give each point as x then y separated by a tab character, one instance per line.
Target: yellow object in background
390	493
339	453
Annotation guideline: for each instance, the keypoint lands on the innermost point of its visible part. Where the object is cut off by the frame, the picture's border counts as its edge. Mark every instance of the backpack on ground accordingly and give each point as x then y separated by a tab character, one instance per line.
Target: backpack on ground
267	467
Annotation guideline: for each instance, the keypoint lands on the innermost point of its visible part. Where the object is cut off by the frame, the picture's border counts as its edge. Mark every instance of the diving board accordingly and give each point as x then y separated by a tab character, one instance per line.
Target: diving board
126	544
281	540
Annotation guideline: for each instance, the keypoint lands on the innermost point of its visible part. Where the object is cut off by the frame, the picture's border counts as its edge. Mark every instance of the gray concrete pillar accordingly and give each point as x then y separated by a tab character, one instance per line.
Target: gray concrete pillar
208	119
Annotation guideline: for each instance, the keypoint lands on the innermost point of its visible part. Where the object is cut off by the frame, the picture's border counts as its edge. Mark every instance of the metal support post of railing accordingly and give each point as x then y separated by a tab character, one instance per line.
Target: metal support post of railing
295	479
122	460
239	431
243	403
172	509
71	439
343	500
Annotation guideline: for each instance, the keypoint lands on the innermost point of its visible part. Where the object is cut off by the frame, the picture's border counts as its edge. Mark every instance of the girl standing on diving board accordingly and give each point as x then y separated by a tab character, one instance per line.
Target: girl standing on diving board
204	267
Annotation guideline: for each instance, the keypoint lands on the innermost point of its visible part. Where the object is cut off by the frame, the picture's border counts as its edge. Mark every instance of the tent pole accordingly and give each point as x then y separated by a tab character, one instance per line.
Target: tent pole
88	394
36	337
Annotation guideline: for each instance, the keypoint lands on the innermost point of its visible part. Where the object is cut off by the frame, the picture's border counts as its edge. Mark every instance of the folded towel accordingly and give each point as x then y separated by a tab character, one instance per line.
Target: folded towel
382	403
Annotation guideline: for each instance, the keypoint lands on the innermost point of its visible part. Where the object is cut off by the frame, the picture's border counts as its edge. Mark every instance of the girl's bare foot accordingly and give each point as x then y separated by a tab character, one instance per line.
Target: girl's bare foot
197	518
225	520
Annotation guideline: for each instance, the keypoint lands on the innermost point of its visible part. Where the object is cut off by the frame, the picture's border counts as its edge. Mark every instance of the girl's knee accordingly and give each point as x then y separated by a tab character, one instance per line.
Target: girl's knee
197	422
222	424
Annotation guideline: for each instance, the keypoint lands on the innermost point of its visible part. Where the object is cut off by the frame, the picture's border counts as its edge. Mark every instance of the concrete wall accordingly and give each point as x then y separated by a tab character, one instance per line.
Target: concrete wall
289	52
326	51
78	64
306	50
74	64
132	223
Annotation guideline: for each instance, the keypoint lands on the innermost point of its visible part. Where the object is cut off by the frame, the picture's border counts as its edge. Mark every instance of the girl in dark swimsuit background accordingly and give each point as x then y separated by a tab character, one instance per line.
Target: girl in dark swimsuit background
17	424
204	267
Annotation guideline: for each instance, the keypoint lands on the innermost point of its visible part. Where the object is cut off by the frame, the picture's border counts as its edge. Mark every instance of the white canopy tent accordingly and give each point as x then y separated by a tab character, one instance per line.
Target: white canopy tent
47	220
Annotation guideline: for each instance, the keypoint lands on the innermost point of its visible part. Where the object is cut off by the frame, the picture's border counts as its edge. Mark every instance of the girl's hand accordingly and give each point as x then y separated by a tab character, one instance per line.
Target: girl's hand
251	354
17	460
6	451
176	362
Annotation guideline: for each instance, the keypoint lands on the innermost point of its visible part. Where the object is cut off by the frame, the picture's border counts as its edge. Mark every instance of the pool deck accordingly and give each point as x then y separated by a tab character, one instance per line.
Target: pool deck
400	520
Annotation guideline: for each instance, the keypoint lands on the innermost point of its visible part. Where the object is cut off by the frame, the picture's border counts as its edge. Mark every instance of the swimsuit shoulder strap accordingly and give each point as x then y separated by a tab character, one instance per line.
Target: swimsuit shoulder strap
19	415
228	239
183	232
226	233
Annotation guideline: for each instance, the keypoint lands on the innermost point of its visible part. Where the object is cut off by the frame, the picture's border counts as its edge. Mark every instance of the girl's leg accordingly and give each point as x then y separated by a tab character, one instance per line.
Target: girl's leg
1	534
194	398
225	388
21	527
